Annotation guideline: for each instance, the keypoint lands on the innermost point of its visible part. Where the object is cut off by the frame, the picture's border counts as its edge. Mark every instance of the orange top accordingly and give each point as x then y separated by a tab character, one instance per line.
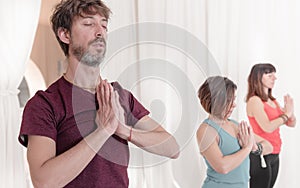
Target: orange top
274	137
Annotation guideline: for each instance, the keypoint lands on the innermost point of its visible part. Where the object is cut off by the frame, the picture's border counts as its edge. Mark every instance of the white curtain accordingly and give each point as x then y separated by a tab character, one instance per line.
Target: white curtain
162	51
242	33
152	51
18	20
237	35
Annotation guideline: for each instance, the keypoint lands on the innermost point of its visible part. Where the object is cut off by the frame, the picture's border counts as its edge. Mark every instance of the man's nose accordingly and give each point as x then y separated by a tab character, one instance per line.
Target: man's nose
100	31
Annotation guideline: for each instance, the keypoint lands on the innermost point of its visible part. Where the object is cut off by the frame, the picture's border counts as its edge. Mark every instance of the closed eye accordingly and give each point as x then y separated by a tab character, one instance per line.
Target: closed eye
104	26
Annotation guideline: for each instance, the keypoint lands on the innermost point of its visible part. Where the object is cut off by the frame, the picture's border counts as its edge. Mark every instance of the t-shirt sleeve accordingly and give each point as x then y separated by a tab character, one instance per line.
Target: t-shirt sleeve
38	119
137	110
133	109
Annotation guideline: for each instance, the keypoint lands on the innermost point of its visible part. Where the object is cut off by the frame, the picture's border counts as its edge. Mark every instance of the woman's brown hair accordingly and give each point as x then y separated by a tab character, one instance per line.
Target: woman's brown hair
255	85
216	95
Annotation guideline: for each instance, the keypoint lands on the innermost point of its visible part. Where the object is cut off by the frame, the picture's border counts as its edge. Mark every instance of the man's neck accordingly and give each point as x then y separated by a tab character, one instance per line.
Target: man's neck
83	76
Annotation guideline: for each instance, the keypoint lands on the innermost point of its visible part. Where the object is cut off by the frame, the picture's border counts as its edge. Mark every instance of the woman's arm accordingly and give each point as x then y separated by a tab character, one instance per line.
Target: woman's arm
291	121
289	111
208	140
255	108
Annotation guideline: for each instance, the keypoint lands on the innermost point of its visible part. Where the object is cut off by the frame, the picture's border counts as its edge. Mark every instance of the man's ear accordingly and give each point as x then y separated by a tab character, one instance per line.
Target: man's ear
64	35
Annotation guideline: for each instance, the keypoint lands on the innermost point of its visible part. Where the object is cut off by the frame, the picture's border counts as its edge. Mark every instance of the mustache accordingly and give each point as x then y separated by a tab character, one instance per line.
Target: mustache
98	40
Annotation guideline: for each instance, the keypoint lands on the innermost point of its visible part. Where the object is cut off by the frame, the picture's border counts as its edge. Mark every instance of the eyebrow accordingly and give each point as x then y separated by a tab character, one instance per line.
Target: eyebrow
91	17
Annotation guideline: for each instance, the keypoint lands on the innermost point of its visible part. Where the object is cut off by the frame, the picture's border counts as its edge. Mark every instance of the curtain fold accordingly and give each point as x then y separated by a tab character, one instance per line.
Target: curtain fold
235	34
160	42
243	33
18	22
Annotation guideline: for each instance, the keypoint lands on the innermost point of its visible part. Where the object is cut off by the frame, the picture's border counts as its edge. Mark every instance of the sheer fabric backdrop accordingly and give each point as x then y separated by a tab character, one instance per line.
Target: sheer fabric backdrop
18	24
238	34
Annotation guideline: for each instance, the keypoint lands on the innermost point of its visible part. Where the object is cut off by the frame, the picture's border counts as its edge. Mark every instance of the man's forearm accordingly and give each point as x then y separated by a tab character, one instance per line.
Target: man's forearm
157	142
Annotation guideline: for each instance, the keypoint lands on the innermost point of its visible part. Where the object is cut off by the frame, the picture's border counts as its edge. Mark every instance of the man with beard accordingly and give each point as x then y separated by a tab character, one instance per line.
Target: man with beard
77	131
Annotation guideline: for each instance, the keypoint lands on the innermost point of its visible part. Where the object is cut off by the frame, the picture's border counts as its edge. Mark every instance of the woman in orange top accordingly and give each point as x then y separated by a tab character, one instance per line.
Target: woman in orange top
266	116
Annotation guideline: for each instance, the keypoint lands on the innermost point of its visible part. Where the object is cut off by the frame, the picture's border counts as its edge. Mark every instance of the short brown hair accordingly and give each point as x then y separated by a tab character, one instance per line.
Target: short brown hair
255	85
216	95
66	10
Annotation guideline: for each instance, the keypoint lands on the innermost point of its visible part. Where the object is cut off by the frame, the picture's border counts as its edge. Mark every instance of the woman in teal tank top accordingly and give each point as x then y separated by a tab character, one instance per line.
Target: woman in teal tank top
224	144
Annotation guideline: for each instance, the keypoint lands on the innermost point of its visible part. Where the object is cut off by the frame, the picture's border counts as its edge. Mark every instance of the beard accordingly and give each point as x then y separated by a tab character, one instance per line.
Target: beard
86	57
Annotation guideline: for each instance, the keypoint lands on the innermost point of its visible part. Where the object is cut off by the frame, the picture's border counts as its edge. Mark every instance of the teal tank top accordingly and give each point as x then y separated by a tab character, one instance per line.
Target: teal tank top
238	177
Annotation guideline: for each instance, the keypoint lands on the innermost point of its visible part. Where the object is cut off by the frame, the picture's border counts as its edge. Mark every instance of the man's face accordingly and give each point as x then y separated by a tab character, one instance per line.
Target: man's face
88	39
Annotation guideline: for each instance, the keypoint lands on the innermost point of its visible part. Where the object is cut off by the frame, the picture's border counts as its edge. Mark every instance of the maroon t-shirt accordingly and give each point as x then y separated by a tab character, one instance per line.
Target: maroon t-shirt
66	114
